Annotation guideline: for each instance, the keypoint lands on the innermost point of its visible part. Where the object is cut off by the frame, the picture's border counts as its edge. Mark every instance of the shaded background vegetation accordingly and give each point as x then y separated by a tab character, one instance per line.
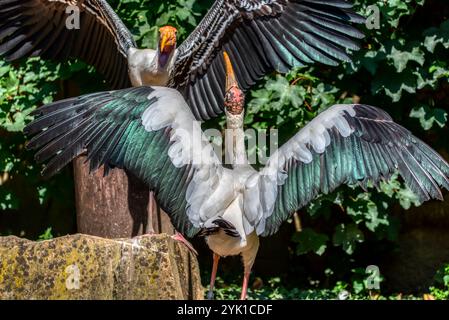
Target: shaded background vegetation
403	67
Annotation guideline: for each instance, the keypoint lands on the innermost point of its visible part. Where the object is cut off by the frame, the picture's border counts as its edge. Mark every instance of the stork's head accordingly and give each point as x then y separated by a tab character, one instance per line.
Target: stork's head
167	44
234	98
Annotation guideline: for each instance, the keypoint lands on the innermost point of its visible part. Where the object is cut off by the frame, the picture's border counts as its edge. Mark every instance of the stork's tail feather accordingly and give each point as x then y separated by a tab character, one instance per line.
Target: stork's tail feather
217	225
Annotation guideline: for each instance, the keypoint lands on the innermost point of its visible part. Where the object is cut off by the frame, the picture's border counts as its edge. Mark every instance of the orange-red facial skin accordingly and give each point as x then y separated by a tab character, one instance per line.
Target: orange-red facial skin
235	101
167	42
168	29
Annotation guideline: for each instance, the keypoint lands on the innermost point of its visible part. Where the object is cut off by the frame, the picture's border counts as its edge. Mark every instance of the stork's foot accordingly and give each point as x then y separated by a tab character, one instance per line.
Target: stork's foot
210	295
179	237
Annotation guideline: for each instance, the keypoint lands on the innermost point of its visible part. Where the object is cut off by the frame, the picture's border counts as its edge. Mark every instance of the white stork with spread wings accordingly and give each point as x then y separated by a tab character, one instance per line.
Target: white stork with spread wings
259	35
151	132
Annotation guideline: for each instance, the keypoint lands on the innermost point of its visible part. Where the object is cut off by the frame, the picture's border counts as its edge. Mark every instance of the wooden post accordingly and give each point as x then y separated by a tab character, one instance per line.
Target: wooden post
116	206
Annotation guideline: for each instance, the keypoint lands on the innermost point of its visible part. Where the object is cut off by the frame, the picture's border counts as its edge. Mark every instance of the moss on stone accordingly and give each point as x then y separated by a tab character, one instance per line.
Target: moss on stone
86	267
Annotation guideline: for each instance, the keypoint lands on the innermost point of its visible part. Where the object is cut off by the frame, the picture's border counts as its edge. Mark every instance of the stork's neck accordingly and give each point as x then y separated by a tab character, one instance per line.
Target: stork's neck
145	70
235	140
164	64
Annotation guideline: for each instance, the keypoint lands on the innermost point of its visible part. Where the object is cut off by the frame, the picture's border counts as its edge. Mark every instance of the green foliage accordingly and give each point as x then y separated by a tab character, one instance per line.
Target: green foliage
356	288
47	235
429	116
308	240
361	279
145	17
441	290
347	236
275	289
22	88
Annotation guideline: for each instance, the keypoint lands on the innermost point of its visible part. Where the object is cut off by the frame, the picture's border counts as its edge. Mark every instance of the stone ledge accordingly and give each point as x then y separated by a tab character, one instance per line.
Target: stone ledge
87	267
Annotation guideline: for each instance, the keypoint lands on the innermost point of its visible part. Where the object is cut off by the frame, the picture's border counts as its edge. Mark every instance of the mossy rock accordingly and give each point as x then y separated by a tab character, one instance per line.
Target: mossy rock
86	267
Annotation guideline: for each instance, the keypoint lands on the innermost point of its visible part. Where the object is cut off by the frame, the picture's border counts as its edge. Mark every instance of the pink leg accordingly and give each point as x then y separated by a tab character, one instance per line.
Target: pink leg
245	285
179	237
210	294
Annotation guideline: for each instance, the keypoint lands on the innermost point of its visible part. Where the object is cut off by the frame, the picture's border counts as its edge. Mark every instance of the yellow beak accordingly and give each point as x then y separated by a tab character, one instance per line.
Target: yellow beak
231	80
165	38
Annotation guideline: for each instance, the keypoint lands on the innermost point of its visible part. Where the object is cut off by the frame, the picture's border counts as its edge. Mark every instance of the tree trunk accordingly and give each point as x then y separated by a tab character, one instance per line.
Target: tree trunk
116	206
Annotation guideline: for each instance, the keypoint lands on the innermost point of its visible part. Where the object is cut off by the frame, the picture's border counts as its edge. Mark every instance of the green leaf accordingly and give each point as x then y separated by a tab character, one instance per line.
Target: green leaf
47	235
42	192
323	204
310	241
402	58
347	236
394	86
8	200
364	209
428	117
407	198
435	36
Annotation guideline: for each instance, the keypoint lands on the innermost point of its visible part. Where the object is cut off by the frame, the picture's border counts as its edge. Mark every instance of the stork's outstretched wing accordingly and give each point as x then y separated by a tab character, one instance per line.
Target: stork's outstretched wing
347	144
45	28
260	36
149	131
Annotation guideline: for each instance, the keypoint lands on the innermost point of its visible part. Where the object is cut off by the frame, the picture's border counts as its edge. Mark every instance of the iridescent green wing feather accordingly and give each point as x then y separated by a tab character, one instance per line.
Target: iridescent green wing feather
108	126
347	144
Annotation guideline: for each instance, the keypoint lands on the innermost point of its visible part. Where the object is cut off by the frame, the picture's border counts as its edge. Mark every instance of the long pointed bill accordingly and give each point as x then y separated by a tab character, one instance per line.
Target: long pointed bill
165	40
231	80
